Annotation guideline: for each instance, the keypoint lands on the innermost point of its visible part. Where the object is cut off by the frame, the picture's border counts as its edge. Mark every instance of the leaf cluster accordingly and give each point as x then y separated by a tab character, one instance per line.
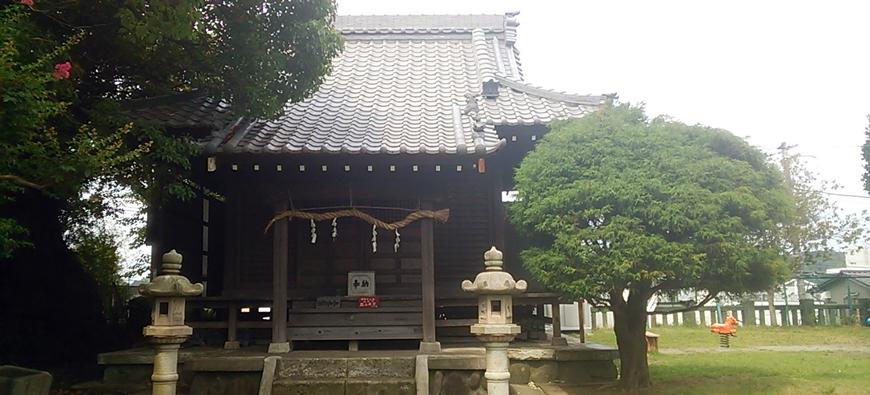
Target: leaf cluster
62	136
617	201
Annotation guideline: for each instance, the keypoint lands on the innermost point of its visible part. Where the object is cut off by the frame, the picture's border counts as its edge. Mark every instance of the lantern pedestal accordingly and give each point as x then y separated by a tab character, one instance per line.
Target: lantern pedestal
495	325
165	376
167	330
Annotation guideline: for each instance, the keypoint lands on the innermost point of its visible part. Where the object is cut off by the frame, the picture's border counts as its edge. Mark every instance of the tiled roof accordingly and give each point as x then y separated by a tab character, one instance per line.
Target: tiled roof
408	84
192	109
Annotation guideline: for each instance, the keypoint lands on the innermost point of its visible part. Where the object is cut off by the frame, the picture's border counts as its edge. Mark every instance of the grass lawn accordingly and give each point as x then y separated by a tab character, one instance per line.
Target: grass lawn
742	370
679	337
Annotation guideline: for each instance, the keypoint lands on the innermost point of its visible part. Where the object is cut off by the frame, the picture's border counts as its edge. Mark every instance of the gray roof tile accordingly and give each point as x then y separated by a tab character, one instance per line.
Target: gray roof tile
403	84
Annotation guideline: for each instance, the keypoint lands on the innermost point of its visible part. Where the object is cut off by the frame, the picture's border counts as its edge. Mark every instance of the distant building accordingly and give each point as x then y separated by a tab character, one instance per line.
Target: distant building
839	286
858	258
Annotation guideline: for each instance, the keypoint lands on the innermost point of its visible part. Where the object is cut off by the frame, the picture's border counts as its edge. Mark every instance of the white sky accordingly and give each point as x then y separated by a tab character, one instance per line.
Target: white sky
774	71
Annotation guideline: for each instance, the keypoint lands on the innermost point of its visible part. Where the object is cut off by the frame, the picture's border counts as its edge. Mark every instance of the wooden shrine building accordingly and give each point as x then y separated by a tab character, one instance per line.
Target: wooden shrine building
419	113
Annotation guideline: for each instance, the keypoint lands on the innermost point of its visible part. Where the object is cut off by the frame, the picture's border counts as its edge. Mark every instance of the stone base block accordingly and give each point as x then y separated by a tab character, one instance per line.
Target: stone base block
15	380
457	382
231	345
127	374
225	383
544	371
378	386
381	368
525	389
312	368
430	347
309	387
279	348
521	373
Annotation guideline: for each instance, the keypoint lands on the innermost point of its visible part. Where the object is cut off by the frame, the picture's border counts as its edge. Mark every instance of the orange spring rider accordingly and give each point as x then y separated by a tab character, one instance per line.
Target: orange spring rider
729	328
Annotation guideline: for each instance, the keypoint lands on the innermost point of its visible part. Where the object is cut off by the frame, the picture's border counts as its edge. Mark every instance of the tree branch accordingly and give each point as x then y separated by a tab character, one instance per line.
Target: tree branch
597	302
704	301
663	285
21	182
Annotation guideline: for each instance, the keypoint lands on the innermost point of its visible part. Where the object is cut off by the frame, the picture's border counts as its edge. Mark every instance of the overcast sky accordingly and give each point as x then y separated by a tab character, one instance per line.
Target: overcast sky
773	71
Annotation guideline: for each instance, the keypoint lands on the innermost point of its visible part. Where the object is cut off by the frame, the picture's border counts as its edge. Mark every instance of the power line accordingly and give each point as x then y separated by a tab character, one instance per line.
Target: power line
845	195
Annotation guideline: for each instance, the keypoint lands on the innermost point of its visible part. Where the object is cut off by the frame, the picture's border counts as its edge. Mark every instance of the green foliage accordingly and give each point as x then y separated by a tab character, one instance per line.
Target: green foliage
621	202
12	237
621	207
97	251
61	135
256	54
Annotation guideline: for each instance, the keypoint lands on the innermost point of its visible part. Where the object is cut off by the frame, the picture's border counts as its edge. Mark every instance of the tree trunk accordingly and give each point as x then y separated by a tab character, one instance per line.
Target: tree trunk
629	323
771	306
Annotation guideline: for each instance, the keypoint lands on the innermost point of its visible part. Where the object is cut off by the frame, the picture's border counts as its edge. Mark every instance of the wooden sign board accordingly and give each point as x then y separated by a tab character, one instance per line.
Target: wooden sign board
361	283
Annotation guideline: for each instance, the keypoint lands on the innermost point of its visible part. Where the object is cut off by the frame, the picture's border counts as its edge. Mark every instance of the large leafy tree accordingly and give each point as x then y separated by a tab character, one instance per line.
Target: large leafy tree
67	71
68	66
621	207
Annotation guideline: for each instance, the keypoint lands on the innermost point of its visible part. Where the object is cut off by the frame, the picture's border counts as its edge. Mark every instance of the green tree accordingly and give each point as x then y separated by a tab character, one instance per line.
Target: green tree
621	207
68	71
67	68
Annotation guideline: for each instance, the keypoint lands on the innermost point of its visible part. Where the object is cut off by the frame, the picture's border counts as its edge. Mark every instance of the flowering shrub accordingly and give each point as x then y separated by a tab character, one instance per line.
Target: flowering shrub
61	71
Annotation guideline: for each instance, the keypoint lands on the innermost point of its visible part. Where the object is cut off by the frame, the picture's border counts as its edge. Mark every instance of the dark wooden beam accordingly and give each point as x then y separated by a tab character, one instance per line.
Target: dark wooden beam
557	340
429	343
232	324
280	253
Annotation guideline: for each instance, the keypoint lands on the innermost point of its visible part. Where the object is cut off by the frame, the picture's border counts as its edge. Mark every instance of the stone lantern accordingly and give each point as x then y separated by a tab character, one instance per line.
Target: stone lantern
167	330
495	326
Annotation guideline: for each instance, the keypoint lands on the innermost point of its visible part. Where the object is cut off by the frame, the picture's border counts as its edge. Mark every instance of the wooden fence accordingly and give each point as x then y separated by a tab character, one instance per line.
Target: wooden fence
828	314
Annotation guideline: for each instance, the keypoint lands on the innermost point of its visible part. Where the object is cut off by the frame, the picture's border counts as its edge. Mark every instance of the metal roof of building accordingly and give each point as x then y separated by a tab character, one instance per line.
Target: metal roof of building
402	84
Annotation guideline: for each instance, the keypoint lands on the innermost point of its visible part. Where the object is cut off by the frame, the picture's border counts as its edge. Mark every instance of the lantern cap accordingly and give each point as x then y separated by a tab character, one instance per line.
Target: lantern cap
494	280
171	263
170	282
493	259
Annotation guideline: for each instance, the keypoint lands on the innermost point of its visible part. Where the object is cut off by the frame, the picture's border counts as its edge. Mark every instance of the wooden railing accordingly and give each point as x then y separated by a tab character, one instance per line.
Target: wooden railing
402	313
827	314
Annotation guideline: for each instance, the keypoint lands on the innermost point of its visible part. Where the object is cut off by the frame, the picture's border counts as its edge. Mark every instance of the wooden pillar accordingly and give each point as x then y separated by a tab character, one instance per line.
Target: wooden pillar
280	253
557	340
232	323
429	343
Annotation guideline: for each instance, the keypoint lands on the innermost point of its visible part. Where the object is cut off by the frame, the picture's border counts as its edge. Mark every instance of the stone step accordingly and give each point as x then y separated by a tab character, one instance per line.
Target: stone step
345	368
366	386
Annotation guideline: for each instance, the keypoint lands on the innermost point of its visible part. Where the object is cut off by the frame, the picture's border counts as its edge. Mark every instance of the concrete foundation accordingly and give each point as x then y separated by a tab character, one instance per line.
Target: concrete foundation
16	380
454	371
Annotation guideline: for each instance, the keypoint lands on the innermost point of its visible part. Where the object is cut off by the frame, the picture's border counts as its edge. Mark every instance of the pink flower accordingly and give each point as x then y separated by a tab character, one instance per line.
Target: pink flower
61	70
28	3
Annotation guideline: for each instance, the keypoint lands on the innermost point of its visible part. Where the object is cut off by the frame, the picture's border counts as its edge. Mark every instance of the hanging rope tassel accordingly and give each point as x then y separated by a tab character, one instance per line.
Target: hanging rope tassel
398	239
334	228
374	238
313	232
